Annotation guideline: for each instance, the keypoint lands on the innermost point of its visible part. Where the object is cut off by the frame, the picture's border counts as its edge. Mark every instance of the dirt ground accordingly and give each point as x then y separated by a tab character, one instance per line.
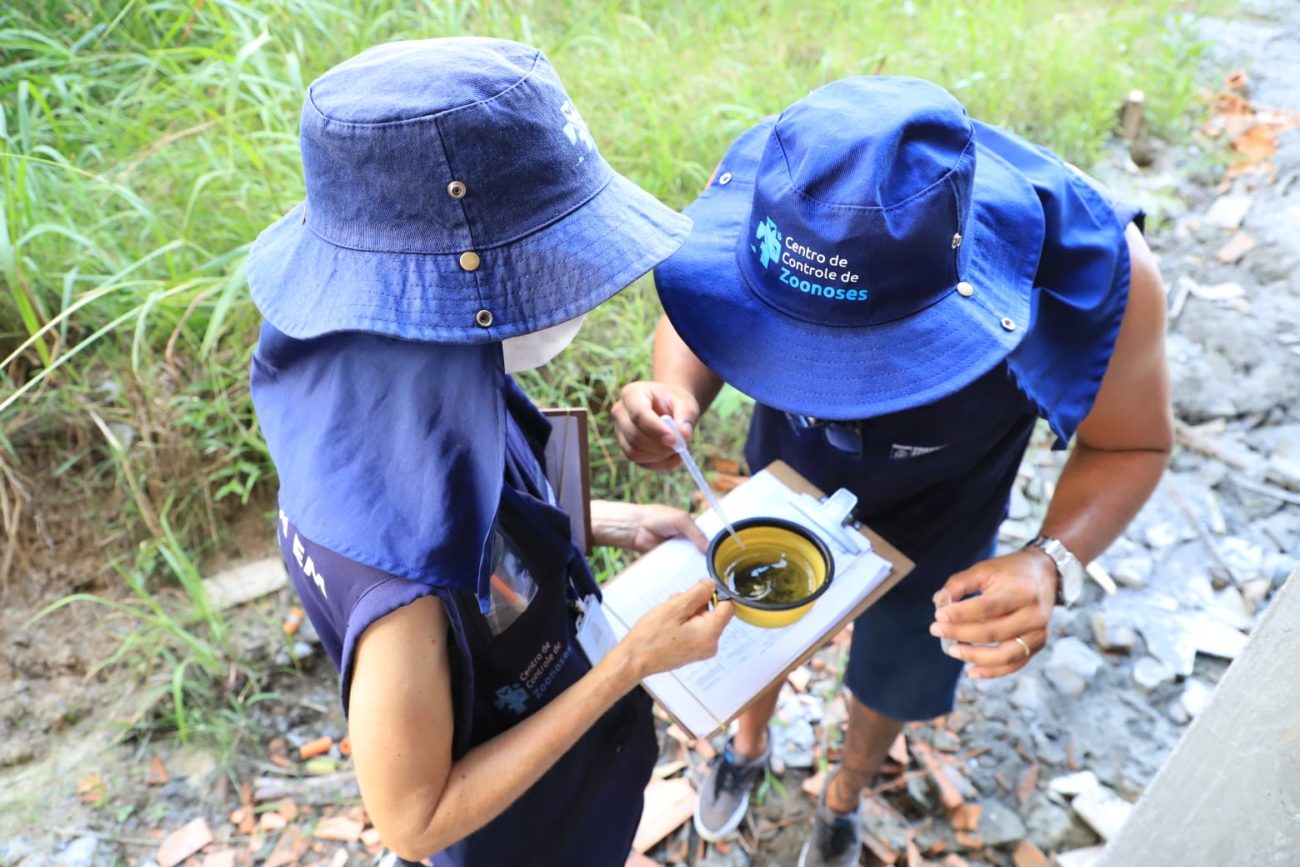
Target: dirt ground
1046	760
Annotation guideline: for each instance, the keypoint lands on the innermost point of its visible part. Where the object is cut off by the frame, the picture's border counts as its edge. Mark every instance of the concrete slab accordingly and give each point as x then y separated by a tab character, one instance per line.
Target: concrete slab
1230	792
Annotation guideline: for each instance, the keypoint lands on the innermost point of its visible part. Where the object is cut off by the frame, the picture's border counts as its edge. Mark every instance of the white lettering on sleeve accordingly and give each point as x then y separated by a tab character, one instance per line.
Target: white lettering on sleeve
310	571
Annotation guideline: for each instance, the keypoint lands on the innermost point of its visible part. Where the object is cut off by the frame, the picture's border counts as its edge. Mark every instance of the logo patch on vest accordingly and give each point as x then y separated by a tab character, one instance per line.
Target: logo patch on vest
899	452
512	698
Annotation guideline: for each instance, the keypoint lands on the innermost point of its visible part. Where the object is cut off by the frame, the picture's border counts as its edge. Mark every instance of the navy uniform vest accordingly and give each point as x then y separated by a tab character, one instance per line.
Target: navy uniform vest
584	811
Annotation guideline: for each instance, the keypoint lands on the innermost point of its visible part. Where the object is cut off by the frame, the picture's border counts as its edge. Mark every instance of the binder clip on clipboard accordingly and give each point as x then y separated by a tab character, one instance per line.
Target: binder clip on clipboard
833	515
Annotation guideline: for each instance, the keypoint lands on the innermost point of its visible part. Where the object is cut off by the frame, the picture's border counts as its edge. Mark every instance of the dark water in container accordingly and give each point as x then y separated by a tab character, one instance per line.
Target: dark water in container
773	577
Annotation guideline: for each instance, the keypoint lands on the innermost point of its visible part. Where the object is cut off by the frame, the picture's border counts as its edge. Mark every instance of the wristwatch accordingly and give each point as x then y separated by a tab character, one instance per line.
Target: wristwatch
1068	569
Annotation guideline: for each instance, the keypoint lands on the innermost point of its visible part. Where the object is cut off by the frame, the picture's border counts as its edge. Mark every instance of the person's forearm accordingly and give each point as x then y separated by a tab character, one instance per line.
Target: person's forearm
1097	495
675	364
491	776
610	524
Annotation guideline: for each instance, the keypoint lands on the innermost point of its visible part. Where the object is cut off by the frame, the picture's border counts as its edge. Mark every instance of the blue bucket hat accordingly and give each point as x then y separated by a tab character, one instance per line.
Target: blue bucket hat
454	195
858	255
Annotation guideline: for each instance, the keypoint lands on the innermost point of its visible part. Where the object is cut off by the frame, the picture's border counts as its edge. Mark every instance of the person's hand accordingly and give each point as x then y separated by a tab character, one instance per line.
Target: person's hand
678	631
644	438
1017	592
639	528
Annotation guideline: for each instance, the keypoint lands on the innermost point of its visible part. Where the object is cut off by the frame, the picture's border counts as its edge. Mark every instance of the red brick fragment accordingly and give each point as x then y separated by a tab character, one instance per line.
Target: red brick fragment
1028	784
1028	855
317	747
967	817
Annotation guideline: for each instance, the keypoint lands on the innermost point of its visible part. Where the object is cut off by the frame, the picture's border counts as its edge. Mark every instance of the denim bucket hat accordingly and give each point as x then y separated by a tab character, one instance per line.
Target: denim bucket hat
454	195
858	255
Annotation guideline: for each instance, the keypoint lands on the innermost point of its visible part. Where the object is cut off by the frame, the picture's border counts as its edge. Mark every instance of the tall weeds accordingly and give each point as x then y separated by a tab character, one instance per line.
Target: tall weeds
144	144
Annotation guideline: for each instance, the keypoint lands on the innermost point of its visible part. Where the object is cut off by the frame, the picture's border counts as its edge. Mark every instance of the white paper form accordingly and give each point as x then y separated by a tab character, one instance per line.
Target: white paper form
705	694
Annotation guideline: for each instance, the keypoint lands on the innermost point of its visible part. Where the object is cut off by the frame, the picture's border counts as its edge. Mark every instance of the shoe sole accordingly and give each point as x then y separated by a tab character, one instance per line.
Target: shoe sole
728	829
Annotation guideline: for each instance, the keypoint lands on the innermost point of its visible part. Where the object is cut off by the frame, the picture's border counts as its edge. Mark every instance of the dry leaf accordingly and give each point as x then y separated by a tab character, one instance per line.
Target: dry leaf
278	752
726	482
291	846
339	829
91	788
1257	143
183	842
668	805
726	465
157	775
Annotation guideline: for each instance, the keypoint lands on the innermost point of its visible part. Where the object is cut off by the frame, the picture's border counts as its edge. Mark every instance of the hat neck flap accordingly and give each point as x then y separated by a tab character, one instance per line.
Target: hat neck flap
389	452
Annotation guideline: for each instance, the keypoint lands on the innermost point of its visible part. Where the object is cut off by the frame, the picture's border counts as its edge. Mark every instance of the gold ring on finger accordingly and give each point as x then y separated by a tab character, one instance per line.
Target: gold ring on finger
1024	646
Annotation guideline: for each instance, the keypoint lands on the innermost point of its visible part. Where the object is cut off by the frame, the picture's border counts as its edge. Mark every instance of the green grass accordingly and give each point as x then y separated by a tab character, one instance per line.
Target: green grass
179	647
144	144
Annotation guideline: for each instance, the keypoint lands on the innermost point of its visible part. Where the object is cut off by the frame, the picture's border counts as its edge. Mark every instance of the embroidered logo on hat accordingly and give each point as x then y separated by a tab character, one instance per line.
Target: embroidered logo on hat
867	307
769	239
575	128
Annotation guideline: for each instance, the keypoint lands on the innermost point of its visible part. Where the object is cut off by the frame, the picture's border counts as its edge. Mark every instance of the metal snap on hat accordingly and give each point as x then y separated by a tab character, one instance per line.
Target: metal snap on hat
456	196
863	257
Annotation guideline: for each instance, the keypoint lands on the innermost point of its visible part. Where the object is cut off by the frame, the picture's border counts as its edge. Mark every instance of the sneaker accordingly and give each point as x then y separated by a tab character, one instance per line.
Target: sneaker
836	838
724	791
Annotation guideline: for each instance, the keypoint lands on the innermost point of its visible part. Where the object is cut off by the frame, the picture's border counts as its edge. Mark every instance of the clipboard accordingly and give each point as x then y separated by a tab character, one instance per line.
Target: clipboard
568	468
697	704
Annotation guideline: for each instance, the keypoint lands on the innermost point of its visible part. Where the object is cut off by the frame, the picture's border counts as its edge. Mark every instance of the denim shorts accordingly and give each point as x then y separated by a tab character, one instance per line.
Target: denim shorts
896	667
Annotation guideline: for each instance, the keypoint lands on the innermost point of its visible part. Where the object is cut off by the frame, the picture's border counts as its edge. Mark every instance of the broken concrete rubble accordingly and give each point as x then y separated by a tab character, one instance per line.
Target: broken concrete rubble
1102	809
1150	672
1071	666
1112	637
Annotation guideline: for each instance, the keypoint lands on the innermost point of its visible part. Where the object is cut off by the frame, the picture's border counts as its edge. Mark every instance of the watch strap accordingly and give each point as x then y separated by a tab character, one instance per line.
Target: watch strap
1069	571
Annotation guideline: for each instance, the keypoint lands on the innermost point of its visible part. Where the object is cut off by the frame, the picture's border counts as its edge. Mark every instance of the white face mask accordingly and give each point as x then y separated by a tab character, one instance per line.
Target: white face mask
528	351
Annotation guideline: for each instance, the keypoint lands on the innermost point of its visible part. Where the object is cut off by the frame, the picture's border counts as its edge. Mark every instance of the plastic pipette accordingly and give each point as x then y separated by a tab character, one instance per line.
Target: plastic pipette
679	446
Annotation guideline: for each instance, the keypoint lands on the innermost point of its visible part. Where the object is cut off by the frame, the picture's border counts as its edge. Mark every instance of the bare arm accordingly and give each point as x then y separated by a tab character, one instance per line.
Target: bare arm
636	527
682	388
676	365
401	720
1122	448
1123	444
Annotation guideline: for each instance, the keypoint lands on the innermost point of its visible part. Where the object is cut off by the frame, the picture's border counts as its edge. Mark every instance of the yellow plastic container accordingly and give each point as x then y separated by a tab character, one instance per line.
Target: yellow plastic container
766	540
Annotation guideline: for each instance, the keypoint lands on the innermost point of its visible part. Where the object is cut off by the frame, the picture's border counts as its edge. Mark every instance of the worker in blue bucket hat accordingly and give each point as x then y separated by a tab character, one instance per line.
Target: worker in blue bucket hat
459	223
904	291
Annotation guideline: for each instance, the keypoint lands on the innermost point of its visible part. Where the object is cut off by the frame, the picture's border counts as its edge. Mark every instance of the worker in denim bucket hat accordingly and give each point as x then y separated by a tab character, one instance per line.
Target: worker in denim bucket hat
459	222
904	291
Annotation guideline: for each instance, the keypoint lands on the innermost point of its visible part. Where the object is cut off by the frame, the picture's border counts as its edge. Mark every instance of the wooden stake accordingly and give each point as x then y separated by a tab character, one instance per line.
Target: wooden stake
1130	115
